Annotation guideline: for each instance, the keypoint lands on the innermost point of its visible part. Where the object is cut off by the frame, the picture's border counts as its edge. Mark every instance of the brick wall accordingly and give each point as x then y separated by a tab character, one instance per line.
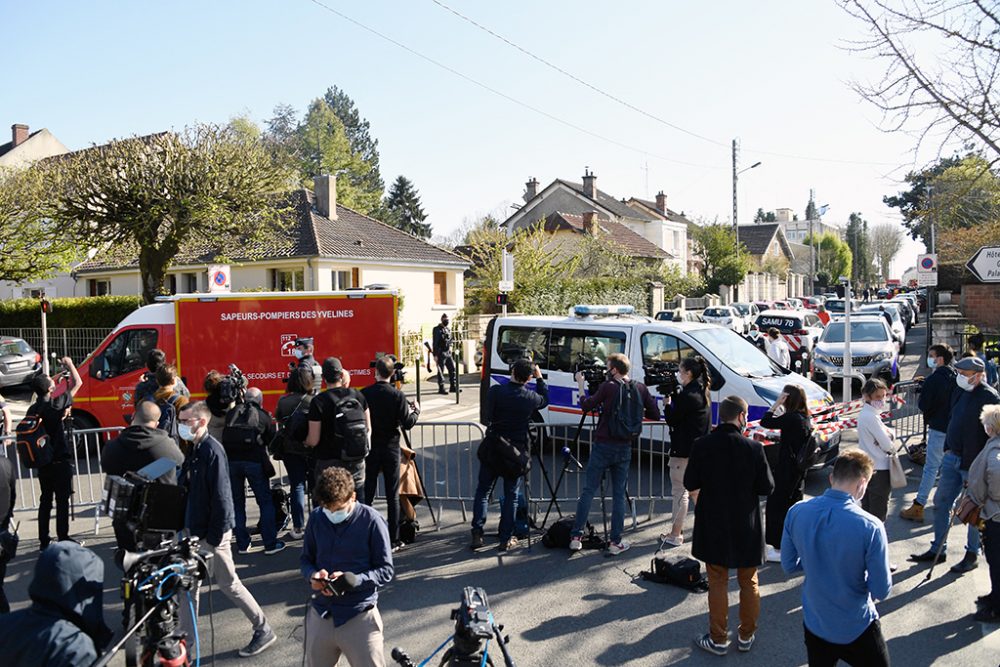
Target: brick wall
981	305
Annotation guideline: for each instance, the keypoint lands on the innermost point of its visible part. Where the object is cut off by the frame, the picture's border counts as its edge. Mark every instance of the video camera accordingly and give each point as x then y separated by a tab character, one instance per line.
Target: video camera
398	372
593	370
662	375
142	504
233	387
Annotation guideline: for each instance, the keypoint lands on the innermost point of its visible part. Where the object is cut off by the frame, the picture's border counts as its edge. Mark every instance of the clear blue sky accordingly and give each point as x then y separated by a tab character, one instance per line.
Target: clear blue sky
771	72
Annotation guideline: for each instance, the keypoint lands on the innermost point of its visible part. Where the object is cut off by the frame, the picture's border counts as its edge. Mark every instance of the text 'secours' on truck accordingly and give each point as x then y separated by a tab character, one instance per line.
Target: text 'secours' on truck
256	332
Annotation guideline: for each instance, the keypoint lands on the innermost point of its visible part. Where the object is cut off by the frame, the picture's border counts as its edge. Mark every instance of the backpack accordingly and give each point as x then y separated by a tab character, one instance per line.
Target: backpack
168	416
808	454
280	500
625	420
557	535
504	456
33	447
677	570
350	432
241	433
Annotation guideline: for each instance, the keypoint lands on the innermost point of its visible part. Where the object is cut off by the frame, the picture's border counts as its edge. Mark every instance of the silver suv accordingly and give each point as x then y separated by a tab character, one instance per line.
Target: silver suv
874	350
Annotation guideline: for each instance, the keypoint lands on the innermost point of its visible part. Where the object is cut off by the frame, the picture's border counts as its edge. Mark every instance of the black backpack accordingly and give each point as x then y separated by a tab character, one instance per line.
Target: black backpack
557	536
808	454
242	433
350	432
168	416
33	447
677	570
291	433
625	420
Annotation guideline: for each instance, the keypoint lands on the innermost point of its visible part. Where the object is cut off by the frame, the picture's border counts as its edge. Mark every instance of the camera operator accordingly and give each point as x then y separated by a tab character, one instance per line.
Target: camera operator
136	447
508	412
64	626
297	458
346	542
209	517
688	414
390	411
220	399
442	343
148	384
247	431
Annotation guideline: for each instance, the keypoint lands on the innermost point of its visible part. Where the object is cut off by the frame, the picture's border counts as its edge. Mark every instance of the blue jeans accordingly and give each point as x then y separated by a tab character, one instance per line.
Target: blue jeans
614	459
935	451
949	488
486	478
296	467
247	471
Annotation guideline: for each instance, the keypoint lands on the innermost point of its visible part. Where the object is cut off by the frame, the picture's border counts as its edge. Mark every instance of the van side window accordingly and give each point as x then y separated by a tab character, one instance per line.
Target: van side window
517	342
128	352
568	347
664	347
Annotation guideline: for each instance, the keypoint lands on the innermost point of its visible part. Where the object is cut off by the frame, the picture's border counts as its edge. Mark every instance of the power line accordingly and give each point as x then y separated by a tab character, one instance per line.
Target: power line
505	96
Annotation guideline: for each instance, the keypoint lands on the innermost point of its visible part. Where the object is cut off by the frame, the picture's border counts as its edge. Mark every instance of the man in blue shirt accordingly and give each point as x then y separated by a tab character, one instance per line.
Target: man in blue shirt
349	541
844	553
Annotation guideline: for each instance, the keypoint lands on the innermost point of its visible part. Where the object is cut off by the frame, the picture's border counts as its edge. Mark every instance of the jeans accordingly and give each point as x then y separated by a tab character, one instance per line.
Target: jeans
248	471
56	481
949	488
487	476
868	650
935	451
991	546
385	460
296	467
615	459
718	602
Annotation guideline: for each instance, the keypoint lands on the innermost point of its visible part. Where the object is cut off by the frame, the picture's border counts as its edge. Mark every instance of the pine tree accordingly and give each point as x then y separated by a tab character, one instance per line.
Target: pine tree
403	210
363	144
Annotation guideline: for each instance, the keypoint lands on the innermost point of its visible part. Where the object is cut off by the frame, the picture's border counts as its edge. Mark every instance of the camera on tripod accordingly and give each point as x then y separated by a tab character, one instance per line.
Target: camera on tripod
663	374
594	372
398	372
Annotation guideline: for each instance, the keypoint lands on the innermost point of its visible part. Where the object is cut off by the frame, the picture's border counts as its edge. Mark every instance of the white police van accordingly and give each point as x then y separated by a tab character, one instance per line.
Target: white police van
560	344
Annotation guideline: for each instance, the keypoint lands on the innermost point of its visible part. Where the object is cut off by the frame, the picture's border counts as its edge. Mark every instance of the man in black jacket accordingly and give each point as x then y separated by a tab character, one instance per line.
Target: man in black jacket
730	473
441	336
135	448
148	385
8	496
390	411
507	414
935	402
964	440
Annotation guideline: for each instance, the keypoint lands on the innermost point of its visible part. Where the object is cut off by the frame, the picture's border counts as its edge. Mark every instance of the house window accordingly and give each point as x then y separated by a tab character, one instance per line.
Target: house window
288	280
440	288
170	284
342	280
32	293
189	282
96	287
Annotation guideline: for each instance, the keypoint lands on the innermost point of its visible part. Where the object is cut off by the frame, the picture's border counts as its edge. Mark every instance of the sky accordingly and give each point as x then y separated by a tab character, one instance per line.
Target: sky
470	130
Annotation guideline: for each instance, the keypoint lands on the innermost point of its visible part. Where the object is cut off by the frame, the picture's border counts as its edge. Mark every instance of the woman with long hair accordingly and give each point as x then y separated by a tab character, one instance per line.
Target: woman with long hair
875	440
790	416
688	413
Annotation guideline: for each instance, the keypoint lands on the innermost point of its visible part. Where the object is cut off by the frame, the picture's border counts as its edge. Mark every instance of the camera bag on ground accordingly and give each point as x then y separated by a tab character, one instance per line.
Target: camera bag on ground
241	433
408	529
33	447
504	456
625	420
350	432
918	453
808	454
557	535
677	570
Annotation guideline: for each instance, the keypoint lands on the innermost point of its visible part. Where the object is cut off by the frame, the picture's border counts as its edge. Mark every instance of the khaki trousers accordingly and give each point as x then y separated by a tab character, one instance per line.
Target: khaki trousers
718	602
679	508
359	640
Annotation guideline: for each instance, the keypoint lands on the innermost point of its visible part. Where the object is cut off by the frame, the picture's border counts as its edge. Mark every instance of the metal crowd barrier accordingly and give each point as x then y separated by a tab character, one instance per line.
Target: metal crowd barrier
904	415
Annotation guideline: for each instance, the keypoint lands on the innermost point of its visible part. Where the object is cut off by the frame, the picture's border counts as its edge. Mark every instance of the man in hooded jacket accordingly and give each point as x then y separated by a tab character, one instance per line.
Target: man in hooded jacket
64	626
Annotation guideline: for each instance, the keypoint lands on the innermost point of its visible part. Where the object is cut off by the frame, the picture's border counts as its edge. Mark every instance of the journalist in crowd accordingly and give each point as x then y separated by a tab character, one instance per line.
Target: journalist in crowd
148	385
297	458
984	491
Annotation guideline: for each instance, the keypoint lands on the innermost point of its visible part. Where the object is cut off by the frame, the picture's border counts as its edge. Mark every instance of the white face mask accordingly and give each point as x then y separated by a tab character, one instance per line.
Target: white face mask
964	382
338	516
879	405
185	432
298	353
680	378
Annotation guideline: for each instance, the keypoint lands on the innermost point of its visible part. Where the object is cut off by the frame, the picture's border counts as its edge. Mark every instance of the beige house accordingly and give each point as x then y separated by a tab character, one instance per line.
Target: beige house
26	147
326	247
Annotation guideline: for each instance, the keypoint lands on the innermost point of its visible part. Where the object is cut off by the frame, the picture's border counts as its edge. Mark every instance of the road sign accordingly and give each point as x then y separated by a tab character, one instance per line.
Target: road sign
218	278
506	285
985	264
927	270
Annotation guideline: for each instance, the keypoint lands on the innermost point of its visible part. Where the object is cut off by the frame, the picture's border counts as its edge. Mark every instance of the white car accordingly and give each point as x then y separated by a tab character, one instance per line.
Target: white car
749	311
726	316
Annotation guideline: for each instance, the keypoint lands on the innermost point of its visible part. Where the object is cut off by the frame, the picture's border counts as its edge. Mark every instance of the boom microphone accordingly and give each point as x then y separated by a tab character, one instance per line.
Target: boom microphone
569	458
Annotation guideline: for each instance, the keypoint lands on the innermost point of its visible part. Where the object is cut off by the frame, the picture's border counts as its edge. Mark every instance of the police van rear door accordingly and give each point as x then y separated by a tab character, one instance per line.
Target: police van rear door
574	346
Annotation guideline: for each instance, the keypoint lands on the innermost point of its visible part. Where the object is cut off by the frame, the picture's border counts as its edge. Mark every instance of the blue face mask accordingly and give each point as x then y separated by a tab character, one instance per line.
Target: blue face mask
338	516
932	362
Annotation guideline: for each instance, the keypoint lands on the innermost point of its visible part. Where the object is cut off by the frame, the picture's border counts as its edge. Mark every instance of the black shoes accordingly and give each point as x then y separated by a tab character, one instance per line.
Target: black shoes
987	615
477	539
967	564
927	557
442	391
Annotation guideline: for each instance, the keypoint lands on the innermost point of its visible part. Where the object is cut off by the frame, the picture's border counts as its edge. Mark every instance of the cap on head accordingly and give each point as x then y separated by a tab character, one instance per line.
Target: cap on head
303	342
970	364
332	369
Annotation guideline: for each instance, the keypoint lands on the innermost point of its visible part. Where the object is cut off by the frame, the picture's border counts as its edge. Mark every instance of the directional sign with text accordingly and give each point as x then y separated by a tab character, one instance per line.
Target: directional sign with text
985	264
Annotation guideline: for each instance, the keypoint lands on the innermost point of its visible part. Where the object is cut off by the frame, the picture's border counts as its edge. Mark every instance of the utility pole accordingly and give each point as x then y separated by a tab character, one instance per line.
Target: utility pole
812	251
931	291
736	227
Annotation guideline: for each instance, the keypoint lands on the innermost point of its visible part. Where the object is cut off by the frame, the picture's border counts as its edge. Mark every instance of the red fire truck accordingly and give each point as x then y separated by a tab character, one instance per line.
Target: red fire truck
201	332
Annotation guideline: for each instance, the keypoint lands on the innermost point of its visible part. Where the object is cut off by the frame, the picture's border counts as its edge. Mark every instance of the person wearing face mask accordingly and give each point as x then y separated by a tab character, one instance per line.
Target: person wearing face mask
964	440
349	540
210	517
303	350
688	414
984	490
442	342
876	440
935	403
777	348
844	554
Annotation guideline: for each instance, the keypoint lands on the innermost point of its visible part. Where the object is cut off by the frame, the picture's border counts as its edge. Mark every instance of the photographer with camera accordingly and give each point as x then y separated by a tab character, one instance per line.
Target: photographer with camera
688	413
292	414
209	517
64	626
390	411
621	400
149	384
508	412
346	558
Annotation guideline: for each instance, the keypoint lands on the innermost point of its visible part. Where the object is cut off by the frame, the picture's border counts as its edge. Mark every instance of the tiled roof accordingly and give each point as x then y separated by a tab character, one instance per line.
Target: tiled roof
671	215
618	207
351	236
635	244
757	238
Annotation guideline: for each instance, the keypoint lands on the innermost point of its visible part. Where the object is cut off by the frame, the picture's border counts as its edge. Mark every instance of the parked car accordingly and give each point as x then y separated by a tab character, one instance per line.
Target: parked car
874	351
749	311
795	303
782	305
19	363
679	316
836	306
763	305
893	317
726	316
800	329
812	302
882	293
911	307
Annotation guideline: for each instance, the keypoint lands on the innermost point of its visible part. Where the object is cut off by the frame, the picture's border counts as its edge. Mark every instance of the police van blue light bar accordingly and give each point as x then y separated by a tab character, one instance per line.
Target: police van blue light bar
583	311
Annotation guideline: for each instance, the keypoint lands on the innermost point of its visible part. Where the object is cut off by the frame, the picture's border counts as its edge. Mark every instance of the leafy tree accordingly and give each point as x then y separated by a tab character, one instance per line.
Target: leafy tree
715	244
403	210
833	256
154	195
886	240
914	204
359	134
31	247
858	242
761	216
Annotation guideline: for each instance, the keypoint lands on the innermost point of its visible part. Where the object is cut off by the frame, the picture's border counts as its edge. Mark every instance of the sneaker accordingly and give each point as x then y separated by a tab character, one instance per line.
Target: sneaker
261	640
70	539
398	545
477	539
509	544
575	543
667	538
278	547
296	534
615	549
772	555
743	645
248	549
705	642
443	391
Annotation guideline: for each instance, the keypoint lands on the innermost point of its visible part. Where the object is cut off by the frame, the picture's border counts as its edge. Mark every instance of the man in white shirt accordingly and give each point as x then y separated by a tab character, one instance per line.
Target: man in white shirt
777	348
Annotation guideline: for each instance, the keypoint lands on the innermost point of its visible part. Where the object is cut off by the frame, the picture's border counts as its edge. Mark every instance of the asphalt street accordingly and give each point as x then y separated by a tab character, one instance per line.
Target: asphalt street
587	608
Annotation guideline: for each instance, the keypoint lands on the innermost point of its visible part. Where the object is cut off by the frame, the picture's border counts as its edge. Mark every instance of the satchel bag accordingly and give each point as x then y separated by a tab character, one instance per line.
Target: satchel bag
968	511
503	456
897	476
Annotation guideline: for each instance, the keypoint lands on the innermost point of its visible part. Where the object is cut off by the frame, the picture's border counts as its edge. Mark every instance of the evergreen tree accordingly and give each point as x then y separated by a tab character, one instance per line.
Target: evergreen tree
860	245
363	144
812	213
403	210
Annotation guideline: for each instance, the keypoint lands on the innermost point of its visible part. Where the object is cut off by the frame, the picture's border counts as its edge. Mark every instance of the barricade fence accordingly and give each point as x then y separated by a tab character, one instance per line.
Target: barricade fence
75	343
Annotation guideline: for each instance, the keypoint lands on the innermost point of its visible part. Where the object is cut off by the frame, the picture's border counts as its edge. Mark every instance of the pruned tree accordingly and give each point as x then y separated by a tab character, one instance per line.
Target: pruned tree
154	195
942	60
402	209
886	241
716	245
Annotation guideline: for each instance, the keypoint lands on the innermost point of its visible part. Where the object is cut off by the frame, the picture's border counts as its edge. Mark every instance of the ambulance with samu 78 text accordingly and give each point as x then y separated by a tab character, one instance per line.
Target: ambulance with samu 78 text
255	332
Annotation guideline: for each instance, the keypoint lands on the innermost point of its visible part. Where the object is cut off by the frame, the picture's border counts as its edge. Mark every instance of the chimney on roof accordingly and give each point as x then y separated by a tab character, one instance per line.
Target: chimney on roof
530	189
589	183
661	202
590	223
325	189
18	134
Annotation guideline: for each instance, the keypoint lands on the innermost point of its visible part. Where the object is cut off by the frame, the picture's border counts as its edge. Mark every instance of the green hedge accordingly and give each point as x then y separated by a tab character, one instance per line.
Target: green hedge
70	312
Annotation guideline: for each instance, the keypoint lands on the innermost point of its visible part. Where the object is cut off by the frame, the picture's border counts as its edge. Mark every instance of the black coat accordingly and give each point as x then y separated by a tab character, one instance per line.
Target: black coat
730	473
688	416
936	397
795	430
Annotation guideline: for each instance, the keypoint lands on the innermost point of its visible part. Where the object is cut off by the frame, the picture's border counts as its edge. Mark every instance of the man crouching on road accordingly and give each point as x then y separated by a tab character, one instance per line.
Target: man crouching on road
349	541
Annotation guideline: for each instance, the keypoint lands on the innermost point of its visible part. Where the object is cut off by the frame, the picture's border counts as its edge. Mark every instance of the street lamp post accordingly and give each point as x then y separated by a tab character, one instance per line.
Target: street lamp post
736	227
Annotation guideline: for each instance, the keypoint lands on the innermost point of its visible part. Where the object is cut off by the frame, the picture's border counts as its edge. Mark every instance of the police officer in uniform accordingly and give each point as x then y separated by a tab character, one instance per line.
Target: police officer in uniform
303	351
442	355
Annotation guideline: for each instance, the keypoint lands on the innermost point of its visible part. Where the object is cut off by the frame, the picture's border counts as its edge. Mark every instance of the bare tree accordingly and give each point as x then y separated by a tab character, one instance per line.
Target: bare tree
886	240
942	62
